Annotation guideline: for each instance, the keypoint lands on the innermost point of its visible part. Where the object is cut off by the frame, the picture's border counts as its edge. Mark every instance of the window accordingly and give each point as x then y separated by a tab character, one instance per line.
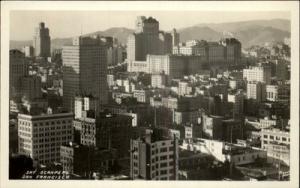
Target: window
162	165
162	172
163	150
163	157
283	138
272	137
265	136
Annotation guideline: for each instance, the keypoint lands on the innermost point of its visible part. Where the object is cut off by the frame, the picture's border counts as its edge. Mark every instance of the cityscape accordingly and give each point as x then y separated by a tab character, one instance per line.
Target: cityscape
157	105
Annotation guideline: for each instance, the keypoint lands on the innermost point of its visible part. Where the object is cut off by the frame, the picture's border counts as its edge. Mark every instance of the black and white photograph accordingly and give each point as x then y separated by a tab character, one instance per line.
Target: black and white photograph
152	91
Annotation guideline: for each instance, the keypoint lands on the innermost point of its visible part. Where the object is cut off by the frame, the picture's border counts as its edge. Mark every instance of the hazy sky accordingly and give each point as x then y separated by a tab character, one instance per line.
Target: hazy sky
73	23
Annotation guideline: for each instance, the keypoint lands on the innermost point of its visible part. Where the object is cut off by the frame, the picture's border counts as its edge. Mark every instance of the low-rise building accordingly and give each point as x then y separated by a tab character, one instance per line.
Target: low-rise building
277	144
154	158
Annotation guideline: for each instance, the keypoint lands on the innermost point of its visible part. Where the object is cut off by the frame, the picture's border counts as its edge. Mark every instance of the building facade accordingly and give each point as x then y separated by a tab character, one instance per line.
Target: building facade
277	144
258	74
85	70
256	91
147	39
31	87
40	136
154	159
41	41
17	69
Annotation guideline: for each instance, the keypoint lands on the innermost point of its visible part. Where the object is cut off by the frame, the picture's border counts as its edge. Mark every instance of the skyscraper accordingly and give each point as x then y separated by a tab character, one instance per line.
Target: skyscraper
147	39
175	38
41	41
17	69
84	70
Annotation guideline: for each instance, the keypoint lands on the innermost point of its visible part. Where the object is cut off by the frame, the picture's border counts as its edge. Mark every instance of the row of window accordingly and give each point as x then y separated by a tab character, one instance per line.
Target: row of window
43	140
53	133
277	138
164	157
52	122
52	128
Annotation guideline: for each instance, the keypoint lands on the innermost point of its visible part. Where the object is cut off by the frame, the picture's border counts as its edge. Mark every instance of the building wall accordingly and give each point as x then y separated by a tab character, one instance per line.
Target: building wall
155	161
41	41
256	91
41	136
277	144
31	87
85	70
17	69
257	74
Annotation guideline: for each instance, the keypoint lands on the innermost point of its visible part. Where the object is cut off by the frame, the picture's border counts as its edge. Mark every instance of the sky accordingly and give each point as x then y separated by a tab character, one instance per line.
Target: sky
73	23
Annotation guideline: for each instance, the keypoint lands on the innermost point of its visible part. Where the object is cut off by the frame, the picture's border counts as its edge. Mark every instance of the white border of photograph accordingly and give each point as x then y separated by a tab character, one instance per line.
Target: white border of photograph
291	6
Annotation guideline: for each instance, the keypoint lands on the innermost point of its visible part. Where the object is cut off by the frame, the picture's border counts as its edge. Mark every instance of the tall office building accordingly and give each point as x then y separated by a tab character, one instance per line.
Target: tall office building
31	87
233	50
41	136
154	157
17	69
175	37
174	66
83	104
237	100
256	91
28	51
85	70
147	39
193	47
165	43
258	74
41	41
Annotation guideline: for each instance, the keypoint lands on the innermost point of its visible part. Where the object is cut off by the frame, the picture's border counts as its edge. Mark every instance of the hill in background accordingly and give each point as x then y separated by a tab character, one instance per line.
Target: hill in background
254	32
